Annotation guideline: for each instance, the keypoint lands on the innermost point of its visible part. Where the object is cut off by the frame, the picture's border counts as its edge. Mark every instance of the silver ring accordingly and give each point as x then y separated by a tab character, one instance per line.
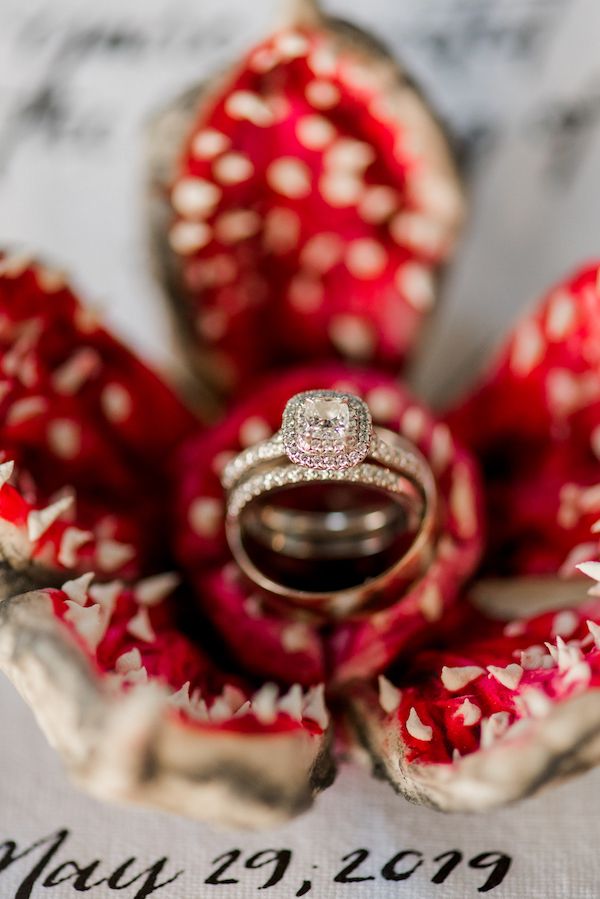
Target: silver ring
332	534
328	438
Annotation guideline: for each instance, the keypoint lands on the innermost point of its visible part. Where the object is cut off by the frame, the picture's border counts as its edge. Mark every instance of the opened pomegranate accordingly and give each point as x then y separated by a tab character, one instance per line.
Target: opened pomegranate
310	210
304	220
188	675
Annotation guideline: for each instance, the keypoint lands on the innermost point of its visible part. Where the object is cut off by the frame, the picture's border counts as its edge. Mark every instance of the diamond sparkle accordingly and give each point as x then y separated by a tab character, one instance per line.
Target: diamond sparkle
324	429
323	423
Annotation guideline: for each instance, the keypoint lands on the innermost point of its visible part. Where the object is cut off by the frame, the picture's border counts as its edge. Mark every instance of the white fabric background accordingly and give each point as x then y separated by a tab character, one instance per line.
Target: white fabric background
552	839
520	82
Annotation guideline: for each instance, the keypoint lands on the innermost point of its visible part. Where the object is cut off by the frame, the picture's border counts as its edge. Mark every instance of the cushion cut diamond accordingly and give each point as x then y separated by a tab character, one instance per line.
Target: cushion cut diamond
323	423
324	429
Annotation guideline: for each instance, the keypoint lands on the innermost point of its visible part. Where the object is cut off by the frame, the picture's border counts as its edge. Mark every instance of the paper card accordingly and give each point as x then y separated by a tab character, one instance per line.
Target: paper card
519	84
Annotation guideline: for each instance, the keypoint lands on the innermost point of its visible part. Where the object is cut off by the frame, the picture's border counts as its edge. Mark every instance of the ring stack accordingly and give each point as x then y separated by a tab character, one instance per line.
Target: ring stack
328	438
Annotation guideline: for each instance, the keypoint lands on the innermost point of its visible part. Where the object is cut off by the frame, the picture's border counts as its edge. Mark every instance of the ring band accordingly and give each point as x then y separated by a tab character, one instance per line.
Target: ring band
330	534
328	438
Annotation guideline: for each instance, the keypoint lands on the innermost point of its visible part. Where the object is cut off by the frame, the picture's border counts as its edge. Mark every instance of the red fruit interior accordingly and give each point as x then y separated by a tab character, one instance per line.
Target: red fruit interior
83	419
142	641
79	415
484	678
313	201
535	426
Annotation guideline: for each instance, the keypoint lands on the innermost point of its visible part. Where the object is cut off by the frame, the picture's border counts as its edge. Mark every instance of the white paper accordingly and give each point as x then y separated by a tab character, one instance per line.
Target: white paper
77	82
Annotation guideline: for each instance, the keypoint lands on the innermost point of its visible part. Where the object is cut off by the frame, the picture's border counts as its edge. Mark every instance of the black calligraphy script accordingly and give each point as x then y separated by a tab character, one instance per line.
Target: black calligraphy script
46	866
47	863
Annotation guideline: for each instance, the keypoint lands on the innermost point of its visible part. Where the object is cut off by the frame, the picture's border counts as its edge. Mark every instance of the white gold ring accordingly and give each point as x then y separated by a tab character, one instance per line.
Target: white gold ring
327	439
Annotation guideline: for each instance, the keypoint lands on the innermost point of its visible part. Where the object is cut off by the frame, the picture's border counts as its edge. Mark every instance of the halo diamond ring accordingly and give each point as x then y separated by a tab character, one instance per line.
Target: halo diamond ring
376	499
